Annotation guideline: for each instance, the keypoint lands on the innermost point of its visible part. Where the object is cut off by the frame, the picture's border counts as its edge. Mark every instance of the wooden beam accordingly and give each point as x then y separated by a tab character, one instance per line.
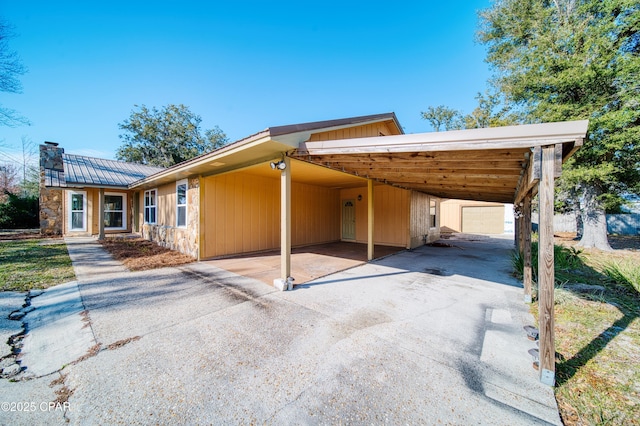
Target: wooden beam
526	247
452	177
426	169
101	214
487	186
472	196
443	156
285	221
508	165
201	217
557	166
370	236
530	177
546	274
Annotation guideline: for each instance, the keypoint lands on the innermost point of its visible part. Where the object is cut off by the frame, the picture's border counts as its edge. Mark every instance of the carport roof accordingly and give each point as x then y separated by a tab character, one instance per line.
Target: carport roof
478	164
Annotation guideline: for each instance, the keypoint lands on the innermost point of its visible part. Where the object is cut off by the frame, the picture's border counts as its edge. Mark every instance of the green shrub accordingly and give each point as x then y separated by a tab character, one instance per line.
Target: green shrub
19	212
566	260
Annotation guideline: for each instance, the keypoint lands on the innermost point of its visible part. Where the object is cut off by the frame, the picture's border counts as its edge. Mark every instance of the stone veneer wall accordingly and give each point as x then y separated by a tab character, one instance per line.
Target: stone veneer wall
50	198
184	240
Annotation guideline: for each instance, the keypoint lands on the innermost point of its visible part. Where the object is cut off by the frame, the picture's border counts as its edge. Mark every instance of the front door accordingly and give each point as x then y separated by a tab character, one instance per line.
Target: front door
348	220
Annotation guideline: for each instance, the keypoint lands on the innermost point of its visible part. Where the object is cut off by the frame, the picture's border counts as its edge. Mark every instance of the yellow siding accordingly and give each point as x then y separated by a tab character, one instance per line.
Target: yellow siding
391	214
315	212
241	214
375	129
166	205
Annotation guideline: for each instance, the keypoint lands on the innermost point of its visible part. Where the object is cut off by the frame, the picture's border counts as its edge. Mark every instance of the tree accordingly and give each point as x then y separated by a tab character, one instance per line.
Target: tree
167	136
576	59
9	180
490	112
10	69
443	116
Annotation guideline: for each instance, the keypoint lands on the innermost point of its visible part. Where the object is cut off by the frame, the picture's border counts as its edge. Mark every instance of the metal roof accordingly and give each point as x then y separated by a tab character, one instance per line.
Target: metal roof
88	171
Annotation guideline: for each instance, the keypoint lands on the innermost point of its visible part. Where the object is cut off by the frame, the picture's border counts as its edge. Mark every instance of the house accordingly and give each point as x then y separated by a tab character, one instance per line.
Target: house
228	201
72	186
353	179
357	179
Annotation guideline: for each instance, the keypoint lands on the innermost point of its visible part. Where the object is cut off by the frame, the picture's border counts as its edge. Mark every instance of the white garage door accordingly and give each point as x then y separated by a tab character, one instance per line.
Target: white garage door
483	220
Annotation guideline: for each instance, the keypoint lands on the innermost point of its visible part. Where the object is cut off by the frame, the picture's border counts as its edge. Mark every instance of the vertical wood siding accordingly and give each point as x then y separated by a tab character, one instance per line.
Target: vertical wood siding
316	214
391	214
421	221
369	130
166	202
241	214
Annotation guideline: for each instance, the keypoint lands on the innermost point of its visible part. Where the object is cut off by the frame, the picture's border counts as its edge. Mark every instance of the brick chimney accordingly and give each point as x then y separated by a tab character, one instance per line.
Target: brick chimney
50	198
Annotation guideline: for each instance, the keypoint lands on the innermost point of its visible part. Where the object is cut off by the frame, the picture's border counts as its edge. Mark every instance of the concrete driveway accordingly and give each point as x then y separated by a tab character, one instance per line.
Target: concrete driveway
428	336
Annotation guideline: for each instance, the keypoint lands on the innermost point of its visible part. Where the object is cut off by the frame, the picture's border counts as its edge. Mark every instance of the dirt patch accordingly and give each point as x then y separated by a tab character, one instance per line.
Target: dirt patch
93	351
140	255
121	343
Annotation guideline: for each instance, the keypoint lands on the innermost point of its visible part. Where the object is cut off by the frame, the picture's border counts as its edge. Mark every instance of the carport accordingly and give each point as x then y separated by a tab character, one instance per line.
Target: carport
506	164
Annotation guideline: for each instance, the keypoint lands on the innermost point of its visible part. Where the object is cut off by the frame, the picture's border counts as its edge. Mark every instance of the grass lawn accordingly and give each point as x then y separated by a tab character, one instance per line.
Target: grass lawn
597	342
34	263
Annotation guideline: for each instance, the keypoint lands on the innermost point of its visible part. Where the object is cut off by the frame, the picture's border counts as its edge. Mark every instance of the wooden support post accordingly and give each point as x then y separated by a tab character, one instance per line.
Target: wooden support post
201	218
517	236
370	243
101	214
525	224
285	220
546	274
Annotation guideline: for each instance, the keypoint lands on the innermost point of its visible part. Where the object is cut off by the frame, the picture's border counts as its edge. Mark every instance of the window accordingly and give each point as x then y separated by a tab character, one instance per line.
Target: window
432	213
115	206
181	203
150	205
77	211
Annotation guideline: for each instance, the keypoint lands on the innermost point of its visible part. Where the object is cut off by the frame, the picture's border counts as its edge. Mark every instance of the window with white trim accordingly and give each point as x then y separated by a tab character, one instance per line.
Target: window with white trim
77	211
115	206
150	206
181	203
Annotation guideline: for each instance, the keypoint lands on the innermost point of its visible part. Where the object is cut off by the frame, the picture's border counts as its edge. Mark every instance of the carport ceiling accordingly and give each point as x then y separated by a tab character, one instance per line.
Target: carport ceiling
477	164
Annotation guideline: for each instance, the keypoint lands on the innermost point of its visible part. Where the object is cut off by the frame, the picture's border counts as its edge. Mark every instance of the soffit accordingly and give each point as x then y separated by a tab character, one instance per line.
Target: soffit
307	173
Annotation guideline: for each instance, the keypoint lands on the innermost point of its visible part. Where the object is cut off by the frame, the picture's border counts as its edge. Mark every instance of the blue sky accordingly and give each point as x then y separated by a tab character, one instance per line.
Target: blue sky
241	65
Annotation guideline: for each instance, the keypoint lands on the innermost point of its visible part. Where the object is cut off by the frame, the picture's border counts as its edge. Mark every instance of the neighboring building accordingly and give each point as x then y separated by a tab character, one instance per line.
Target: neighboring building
476	217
